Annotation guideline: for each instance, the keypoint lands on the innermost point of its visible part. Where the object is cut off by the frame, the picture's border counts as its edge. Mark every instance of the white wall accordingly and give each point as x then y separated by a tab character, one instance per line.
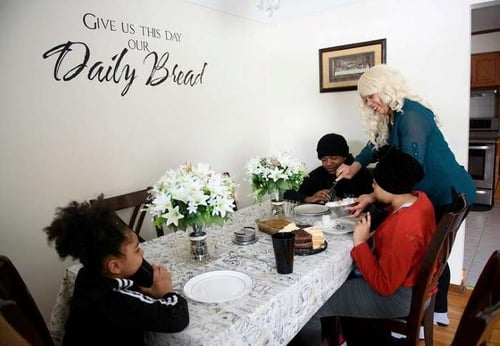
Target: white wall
415	49
64	141
71	140
428	43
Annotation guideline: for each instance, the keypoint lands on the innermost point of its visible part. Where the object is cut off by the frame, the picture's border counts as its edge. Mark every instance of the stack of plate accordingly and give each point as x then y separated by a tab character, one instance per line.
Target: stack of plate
309	214
311	210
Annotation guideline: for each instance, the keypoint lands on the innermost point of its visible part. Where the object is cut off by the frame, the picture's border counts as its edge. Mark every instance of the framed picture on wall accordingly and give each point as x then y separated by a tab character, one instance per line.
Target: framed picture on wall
340	67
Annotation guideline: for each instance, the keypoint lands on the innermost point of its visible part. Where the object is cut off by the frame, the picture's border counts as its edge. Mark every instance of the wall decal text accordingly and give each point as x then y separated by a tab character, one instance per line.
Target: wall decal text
74	58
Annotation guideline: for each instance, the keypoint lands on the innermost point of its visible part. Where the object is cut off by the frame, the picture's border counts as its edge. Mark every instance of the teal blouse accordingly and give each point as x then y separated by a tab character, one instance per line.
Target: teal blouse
416	133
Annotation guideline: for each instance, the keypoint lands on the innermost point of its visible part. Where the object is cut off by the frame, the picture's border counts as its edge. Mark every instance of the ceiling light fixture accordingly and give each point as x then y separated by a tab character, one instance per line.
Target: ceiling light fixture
268	6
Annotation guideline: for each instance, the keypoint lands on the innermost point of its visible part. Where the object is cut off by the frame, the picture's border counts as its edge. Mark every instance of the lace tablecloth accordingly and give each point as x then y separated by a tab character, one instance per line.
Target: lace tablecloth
277	306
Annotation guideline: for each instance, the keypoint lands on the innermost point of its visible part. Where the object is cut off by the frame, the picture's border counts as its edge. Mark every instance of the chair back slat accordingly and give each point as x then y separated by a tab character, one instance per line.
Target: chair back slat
19	308
482	312
136	201
490	318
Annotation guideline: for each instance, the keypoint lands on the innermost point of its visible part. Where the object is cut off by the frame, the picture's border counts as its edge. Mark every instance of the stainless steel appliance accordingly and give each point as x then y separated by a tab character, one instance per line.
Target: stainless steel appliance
483	103
482	156
482	169
484	127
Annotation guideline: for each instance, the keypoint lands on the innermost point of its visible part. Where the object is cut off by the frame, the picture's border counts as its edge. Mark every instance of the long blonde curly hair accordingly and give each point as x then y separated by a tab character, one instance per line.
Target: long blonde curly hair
390	86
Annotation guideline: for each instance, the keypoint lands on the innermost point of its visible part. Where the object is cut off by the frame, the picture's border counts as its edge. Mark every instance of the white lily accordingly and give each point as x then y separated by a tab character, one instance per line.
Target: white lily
192	195
173	216
275	172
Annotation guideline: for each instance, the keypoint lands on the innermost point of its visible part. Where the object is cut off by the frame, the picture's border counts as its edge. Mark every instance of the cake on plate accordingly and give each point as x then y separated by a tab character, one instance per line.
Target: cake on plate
303	239
318	238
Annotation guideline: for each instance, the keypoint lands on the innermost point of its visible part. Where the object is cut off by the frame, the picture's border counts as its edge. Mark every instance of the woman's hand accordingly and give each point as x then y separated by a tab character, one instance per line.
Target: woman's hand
162	283
321	196
346	171
361	232
363	202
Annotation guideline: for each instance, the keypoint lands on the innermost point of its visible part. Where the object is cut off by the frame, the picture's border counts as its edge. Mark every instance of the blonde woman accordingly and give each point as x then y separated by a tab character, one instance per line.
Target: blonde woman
394	115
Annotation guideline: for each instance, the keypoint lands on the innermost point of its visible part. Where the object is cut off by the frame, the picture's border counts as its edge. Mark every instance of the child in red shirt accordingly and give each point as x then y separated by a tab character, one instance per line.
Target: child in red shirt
389	268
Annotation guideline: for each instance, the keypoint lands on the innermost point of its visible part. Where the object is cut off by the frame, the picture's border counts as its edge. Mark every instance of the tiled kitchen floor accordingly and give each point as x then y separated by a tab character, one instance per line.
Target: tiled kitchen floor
482	237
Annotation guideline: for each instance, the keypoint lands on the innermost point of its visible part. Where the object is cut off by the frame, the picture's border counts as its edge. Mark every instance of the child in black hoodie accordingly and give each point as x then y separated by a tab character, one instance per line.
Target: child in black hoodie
109	306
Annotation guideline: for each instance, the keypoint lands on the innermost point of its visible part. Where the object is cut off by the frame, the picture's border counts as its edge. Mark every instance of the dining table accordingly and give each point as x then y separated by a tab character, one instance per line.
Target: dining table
273	310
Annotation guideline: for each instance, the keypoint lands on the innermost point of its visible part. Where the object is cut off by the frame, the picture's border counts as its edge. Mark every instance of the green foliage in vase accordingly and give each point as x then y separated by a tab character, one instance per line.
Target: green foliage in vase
192	195
274	174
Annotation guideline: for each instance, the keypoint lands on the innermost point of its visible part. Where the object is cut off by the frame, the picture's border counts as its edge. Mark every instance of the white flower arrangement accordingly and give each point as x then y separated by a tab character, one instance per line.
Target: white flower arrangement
192	195
275	174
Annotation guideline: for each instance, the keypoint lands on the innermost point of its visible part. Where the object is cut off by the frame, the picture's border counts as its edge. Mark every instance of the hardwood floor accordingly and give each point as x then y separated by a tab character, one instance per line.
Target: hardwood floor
443	336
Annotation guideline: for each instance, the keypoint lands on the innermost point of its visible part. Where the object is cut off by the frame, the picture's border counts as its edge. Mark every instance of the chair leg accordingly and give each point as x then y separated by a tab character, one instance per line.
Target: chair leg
330	330
429	323
359	331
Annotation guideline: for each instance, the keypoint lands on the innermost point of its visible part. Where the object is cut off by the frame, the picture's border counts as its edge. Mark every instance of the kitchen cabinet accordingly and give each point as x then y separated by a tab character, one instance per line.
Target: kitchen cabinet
485	69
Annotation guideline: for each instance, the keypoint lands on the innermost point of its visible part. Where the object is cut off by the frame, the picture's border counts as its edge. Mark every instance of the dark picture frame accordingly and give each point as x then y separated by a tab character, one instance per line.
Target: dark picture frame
340	67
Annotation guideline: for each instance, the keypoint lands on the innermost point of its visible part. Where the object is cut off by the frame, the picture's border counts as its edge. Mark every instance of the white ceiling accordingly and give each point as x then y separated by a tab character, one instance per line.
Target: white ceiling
288	8
484	16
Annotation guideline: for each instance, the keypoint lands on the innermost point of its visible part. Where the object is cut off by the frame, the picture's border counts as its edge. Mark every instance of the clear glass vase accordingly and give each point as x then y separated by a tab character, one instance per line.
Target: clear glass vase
198	239
182	245
277	204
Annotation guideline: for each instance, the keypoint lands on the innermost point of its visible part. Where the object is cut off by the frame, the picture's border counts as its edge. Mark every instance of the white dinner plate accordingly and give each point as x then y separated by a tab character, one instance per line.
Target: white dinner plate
218	286
311	209
338	231
341	226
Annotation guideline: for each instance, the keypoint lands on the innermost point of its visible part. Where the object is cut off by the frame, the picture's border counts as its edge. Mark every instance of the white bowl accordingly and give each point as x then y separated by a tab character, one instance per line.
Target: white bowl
338	208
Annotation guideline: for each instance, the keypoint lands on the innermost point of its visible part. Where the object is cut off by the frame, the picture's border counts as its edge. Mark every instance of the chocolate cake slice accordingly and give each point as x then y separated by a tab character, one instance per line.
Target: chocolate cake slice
303	239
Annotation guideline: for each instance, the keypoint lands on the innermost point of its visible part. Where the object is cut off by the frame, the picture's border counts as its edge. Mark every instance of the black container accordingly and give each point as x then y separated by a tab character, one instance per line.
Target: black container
144	275
283	245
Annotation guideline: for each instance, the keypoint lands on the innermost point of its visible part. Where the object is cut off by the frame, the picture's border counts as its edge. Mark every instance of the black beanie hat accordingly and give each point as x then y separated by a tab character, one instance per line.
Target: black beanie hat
332	144
397	172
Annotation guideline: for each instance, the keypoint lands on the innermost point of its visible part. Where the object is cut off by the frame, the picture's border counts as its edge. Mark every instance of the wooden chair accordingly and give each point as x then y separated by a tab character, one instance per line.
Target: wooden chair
136	201
482	312
18	307
433	264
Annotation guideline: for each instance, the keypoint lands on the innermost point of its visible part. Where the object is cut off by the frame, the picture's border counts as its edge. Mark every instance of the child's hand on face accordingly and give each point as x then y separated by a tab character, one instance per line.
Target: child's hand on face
362	230
162	283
